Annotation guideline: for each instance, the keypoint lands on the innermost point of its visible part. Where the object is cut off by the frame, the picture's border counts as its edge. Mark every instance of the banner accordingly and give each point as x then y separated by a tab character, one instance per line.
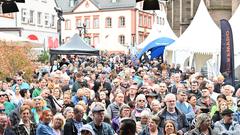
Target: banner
227	53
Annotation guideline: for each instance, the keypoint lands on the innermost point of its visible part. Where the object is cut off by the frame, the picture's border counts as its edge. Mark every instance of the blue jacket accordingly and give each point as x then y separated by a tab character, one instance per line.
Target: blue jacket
44	129
105	130
145	131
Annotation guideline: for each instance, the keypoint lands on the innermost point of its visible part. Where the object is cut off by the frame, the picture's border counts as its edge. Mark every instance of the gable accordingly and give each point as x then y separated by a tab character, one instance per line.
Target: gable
86	6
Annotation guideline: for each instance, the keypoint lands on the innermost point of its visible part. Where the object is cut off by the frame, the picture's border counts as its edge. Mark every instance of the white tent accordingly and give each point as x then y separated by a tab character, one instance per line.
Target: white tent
235	24
199	43
110	45
159	29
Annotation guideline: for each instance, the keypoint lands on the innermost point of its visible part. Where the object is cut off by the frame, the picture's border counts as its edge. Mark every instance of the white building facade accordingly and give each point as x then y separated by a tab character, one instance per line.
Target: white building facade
120	20
36	20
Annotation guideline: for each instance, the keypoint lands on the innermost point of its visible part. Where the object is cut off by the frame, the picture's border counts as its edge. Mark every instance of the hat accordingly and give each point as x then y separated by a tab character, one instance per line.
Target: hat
88	128
227	111
151	94
98	108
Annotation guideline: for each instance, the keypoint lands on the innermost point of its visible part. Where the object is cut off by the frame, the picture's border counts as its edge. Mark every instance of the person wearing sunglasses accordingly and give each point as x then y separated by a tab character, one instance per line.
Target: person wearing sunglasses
20	82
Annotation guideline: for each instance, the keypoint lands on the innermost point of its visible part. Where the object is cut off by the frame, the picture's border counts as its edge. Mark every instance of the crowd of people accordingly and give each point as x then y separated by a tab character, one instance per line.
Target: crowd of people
110	95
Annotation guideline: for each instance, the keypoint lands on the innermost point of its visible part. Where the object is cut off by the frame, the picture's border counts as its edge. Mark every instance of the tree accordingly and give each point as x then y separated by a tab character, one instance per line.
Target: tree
14	58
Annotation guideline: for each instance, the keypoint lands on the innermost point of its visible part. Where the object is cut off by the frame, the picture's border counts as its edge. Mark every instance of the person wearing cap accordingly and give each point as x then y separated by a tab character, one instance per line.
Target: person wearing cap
184	106
86	130
73	125
150	97
100	127
226	126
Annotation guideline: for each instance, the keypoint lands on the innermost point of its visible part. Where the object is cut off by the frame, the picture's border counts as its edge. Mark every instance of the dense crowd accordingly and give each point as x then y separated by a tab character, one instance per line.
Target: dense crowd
115	94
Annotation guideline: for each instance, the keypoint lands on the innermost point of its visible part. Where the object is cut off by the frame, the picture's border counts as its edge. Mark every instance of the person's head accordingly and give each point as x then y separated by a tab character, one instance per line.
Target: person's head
222	105
220	79
86	130
38	102
220	98
125	111
170	100
19	80
42	83
25	93
230	102
153	122
205	92
4	122
45	93
133	90
181	95
78	112
56	92
98	113
145	115
80	93
2	97
162	87
102	95
58	121
192	99
227	90
25	113
210	87
227	116
119	98
67	98
155	106
194	85
141	101
169	127
127	127
46	116
68	112
203	121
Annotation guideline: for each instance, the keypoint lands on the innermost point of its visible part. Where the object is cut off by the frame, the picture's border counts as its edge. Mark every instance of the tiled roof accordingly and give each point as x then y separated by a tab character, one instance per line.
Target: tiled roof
64	5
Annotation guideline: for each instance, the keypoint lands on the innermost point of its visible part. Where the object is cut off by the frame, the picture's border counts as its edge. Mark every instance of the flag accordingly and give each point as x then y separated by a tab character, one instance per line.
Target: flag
227	52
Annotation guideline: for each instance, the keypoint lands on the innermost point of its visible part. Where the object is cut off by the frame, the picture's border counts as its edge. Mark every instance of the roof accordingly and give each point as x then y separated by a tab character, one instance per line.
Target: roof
100	4
202	36
76	45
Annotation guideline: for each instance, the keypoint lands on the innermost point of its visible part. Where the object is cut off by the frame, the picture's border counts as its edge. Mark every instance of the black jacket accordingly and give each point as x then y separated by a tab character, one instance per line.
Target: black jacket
69	127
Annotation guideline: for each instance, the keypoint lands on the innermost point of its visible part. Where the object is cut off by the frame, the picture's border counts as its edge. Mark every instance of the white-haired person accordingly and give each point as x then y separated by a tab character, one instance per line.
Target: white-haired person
143	123
86	130
58	124
141	104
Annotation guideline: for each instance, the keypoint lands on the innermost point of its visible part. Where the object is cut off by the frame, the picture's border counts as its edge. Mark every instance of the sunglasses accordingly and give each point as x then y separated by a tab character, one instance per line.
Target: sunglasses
2	110
85	132
2	95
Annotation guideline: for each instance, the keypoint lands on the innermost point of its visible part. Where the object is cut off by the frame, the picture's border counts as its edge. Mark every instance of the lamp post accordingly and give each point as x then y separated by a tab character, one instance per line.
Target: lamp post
60	18
82	30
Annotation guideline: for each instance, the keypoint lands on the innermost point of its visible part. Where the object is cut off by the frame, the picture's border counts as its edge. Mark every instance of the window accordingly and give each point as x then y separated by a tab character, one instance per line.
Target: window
145	21
122	21
108	22
122	39
46	20
140	38
31	18
39	18
53	21
67	25
95	23
78	22
88	40
140	20
87	22
24	16
149	22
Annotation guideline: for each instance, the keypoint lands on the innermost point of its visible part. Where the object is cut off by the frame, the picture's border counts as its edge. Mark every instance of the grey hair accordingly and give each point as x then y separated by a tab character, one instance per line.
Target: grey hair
202	118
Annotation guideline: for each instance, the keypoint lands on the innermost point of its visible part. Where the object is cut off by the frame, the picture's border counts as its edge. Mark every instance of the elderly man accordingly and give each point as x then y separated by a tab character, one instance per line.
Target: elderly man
170	112
113	108
227	126
100	127
73	125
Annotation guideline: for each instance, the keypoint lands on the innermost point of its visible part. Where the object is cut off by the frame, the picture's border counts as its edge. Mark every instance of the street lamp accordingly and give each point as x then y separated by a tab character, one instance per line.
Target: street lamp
60	18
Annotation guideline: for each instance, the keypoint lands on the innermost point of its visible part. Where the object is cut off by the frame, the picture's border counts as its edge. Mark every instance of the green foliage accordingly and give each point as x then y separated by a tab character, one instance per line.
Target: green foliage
44	57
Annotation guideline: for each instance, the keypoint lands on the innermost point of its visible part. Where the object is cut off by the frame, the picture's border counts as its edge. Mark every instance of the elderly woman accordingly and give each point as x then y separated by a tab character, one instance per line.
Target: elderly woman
25	126
141	104
143	123
68	113
202	126
58	123
152	128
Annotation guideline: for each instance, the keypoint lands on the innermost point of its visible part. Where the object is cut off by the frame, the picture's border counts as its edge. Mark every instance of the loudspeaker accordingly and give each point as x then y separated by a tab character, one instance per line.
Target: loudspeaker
9	7
151	5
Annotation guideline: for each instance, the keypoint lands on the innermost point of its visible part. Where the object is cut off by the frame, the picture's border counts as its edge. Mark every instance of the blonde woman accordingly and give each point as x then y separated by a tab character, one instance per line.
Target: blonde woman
58	123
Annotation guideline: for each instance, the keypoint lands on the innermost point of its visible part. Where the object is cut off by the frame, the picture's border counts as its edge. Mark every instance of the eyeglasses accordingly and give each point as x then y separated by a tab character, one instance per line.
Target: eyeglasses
19	80
141	100
170	101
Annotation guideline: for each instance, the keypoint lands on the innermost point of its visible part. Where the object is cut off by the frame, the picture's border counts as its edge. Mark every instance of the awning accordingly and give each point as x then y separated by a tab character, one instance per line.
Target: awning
32	37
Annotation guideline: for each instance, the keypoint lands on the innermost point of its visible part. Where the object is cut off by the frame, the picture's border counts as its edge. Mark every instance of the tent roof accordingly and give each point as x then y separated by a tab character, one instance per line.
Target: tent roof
111	45
235	21
202	36
159	30
76	45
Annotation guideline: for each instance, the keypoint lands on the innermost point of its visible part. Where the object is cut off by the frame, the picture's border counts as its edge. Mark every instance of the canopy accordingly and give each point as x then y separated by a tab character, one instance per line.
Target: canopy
110	45
156	47
162	29
76	45
235	21
202	36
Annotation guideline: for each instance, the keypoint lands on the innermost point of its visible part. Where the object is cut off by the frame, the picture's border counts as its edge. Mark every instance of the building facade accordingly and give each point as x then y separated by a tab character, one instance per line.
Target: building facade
122	20
36	20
